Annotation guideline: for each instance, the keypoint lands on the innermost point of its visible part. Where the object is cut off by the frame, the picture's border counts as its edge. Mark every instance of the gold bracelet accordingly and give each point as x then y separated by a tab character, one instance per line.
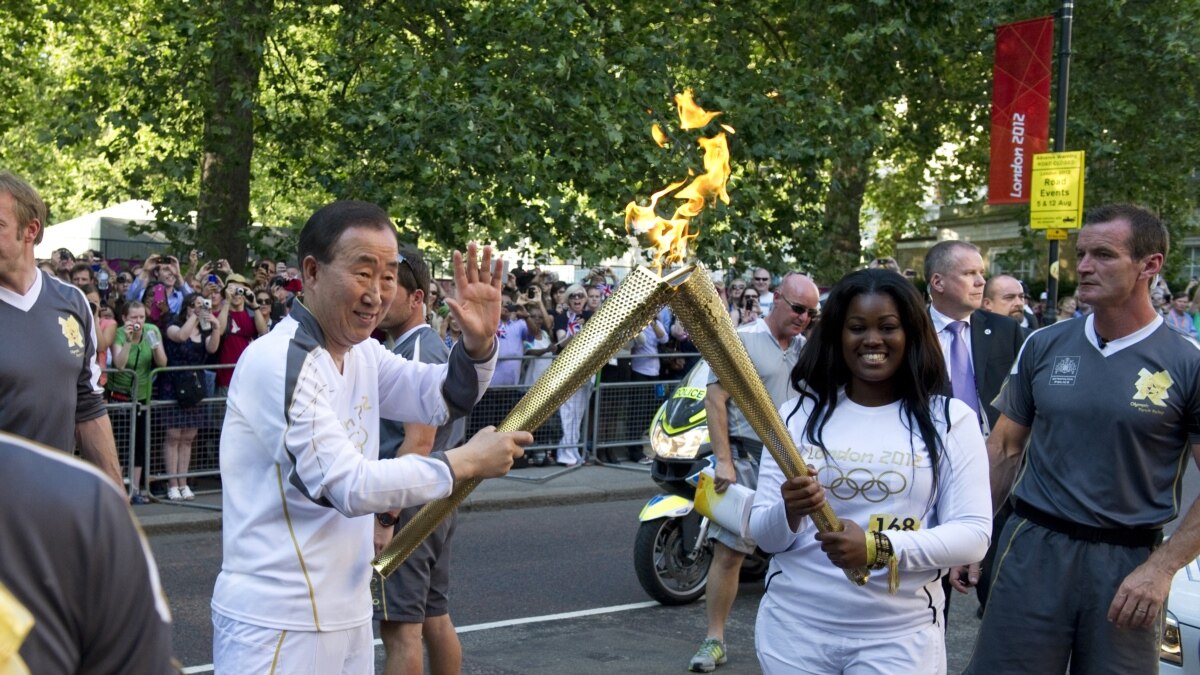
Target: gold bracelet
872	552
883	551
889	558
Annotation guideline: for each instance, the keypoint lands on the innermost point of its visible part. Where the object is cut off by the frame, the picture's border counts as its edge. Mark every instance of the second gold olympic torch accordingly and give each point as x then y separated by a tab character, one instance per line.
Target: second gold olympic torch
697	304
619	319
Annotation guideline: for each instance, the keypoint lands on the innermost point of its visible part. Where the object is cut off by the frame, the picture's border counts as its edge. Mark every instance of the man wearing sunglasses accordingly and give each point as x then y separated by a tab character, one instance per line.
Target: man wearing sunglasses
774	347
760	281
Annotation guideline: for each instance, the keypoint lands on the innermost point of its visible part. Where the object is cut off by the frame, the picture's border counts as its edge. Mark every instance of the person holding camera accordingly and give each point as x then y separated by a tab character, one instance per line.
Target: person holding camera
238	323
748	310
162	269
516	326
191	338
137	351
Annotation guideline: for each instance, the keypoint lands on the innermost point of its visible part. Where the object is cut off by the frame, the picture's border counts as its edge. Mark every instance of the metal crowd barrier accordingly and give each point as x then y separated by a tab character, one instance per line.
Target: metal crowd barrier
617	418
162	417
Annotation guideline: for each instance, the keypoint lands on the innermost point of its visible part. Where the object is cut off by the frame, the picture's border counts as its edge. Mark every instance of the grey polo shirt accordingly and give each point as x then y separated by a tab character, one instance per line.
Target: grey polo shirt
1111	429
71	554
774	366
49	378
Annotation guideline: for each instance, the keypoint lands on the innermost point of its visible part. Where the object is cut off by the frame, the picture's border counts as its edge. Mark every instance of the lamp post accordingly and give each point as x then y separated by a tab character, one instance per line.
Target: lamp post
1065	14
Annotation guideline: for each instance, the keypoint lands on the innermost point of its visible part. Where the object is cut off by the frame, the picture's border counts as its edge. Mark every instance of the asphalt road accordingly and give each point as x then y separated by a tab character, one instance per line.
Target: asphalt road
518	577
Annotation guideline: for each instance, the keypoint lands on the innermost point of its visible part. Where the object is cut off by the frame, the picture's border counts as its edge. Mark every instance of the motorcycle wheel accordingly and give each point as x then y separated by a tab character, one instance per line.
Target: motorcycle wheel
664	565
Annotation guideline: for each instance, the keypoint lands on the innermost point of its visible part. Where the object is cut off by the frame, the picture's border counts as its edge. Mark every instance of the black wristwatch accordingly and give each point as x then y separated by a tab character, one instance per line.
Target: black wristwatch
386	519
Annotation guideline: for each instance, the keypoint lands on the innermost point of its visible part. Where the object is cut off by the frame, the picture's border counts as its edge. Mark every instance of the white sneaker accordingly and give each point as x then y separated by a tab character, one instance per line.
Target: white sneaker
173	494
186	493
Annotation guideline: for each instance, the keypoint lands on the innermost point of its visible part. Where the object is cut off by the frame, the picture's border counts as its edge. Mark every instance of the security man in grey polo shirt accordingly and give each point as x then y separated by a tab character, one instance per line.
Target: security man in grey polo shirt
1110	405
774	344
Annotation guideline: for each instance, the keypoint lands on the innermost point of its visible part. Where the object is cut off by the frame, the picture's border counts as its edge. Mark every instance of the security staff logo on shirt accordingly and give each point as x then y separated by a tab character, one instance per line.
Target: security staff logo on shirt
1066	368
1153	387
73	333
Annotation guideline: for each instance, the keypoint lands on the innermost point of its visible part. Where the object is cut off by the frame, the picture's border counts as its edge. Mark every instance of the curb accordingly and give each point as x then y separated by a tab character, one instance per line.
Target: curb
192	521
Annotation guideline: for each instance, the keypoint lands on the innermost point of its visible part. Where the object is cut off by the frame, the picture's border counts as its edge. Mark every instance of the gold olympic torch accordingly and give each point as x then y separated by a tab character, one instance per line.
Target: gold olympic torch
639	297
697	304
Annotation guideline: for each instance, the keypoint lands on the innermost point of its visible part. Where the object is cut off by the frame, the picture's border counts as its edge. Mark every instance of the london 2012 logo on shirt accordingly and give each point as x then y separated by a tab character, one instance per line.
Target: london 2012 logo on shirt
1066	368
73	333
1152	387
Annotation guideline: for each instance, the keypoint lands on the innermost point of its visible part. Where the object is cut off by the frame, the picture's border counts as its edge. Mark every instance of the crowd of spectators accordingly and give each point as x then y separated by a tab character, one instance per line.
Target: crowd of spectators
164	312
154	313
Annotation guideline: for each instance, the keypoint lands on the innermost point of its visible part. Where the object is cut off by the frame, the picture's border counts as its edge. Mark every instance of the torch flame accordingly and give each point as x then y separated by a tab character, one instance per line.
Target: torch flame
671	236
659	137
692	116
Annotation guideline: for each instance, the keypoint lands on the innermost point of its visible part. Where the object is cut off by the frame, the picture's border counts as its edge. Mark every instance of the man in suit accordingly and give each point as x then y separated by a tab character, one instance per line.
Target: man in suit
985	343
954	270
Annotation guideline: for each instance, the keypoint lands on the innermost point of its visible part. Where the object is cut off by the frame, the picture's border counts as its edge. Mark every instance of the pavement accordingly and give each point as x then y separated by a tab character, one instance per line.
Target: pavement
522	488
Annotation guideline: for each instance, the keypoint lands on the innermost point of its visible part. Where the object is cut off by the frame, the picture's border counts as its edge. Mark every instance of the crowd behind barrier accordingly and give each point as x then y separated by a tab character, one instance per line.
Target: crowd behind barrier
619	416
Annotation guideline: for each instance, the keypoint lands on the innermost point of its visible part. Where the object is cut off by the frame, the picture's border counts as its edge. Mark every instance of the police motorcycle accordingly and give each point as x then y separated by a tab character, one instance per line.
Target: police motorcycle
672	553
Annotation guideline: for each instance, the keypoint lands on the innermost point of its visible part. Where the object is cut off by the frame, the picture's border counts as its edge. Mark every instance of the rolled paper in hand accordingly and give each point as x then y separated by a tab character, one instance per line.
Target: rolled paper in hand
622	316
697	304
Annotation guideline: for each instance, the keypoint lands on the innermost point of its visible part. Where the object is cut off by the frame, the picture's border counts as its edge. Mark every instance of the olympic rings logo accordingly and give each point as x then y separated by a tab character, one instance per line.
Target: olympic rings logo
861	482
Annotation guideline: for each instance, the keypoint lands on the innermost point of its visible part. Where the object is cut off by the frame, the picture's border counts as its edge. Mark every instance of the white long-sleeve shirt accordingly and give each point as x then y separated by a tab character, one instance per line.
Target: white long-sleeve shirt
878	475
301	474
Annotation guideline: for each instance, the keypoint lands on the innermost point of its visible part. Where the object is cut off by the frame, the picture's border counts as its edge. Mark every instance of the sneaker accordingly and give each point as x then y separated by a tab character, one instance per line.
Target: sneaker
710	655
139	499
173	494
186	493
648	460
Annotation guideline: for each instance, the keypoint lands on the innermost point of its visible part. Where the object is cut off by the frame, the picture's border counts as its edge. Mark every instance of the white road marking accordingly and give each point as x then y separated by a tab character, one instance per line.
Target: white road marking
208	667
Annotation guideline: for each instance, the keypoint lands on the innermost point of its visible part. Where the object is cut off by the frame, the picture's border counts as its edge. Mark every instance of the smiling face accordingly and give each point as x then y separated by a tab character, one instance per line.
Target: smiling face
873	344
761	280
349	295
166	274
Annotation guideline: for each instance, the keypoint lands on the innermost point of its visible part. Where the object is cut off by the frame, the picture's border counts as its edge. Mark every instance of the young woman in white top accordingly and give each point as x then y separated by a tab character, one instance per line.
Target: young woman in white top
902	466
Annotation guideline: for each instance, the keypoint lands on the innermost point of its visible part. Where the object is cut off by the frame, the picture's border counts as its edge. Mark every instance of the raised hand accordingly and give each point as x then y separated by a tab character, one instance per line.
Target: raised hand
476	305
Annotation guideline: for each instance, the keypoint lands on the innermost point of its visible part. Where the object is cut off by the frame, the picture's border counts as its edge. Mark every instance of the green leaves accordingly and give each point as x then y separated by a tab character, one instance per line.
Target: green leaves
526	122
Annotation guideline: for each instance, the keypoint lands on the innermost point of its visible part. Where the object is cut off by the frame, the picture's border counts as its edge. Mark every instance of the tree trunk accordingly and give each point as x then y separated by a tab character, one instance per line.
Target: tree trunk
223	213
842	219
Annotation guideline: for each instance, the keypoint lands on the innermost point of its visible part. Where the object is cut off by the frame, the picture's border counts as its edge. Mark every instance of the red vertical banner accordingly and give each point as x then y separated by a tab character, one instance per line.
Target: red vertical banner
1020	107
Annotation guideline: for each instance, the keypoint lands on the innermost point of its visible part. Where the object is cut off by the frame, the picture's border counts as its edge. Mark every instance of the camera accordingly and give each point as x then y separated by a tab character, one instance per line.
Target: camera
531	293
241	290
206	303
214	279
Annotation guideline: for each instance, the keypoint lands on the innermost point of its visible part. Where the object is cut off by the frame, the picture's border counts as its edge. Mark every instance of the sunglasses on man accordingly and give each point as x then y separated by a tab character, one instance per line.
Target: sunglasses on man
800	309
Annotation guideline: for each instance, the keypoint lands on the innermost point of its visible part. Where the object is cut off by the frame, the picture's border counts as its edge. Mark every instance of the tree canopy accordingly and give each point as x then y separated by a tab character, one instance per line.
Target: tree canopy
527	122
